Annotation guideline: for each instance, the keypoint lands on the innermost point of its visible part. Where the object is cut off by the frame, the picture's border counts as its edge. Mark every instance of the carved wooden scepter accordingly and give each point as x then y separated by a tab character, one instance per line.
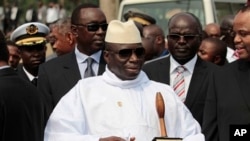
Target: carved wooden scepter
160	107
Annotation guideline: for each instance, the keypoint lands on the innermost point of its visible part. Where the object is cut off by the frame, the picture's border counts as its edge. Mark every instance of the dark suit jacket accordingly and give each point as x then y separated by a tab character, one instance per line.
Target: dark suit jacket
22	111
228	100
158	70
57	76
21	72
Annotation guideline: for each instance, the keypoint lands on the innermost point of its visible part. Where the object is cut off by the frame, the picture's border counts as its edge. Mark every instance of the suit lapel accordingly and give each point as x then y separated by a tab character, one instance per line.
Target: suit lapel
21	72
244	81
102	65
197	80
163	70
71	69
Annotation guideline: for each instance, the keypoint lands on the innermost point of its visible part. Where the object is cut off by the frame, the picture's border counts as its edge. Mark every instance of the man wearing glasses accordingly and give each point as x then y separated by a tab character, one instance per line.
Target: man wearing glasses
120	104
58	76
183	69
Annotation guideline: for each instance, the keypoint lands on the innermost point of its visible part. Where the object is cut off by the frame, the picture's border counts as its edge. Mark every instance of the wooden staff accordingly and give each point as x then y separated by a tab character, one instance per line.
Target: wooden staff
160	107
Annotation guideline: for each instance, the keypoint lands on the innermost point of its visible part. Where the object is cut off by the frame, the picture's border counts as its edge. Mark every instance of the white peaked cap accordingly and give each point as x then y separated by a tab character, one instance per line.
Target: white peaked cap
31	33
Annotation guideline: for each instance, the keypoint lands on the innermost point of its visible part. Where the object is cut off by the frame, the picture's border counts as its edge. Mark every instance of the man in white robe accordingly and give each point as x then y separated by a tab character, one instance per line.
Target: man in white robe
120	105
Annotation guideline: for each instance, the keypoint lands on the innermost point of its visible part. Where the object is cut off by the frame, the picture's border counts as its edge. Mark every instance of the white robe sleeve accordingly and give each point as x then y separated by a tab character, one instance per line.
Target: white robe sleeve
67	121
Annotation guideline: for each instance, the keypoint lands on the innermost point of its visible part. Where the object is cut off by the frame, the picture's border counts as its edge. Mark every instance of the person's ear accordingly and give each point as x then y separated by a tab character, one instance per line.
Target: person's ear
106	56
74	30
159	39
70	37
217	59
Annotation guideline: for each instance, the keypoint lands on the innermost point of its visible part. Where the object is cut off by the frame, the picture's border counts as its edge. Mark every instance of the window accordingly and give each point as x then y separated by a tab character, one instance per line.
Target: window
226	8
162	11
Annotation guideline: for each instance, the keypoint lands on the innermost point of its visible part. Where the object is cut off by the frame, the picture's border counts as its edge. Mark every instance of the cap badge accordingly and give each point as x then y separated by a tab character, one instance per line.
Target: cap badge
32	29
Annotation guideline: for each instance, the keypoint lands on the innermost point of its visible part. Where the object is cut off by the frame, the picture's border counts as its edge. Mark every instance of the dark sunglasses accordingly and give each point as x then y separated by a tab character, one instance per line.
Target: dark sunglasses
92	27
126	53
177	37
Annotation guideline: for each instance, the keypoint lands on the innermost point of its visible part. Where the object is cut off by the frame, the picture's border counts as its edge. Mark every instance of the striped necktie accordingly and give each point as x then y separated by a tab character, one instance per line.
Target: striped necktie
89	71
179	83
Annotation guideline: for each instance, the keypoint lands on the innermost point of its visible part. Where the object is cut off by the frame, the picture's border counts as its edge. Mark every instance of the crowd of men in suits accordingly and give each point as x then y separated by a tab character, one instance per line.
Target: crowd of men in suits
216	96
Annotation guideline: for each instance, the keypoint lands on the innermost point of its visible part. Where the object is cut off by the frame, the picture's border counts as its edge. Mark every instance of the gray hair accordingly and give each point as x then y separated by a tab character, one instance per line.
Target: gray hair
63	25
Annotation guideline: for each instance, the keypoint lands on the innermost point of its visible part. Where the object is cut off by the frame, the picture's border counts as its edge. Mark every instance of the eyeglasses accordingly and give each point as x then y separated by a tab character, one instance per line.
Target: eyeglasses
126	53
92	27
177	37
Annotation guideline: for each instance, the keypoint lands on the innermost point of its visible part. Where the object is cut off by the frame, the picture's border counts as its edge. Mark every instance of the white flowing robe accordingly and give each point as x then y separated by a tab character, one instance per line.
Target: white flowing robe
106	106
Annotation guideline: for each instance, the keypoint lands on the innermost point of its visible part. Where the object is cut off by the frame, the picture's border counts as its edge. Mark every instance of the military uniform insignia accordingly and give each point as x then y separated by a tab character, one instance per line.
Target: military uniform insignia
32	29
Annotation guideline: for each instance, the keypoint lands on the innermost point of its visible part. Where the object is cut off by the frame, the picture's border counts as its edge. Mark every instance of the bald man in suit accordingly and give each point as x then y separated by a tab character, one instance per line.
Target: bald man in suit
184	39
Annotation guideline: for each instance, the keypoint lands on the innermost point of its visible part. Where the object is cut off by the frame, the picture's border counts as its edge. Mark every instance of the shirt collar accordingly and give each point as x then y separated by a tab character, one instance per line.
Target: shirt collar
30	76
80	57
5	66
189	65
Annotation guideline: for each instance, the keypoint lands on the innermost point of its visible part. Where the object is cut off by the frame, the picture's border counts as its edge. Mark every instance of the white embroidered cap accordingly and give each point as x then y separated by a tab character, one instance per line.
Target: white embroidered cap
122	32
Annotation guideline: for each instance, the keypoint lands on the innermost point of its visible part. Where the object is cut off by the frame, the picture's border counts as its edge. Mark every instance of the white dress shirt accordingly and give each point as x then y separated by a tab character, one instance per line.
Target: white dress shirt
30	76
230	55
82	63
5	66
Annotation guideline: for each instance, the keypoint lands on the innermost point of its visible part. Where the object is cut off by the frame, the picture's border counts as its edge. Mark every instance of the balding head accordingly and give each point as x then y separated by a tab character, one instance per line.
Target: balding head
153	41
187	18
213	30
227	21
184	38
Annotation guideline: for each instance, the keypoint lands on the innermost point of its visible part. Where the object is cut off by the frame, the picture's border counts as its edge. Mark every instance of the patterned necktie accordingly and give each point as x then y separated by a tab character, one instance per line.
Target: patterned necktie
179	83
34	81
89	71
